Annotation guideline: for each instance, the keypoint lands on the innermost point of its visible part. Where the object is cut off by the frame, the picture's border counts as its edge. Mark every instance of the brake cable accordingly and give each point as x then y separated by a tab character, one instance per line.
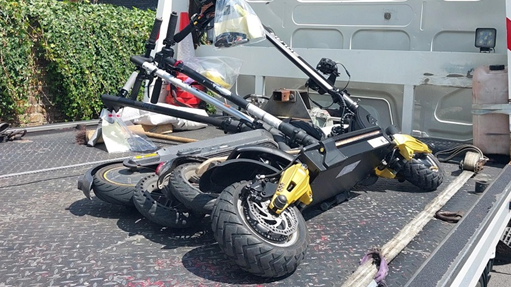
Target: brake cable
276	174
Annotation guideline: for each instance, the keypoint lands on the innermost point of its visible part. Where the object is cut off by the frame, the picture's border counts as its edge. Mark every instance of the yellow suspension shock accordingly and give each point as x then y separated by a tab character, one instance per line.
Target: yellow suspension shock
293	185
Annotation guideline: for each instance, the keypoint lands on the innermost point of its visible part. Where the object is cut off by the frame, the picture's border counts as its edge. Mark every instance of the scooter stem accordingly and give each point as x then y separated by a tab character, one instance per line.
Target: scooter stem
153	69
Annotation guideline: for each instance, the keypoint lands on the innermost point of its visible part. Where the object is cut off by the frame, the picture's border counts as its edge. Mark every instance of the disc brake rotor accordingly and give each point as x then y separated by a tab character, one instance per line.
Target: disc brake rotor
427	161
161	195
277	228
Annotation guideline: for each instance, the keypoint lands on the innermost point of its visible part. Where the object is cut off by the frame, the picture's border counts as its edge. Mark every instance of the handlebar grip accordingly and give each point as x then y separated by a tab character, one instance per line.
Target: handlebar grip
136	86
196	21
156	29
181	35
156	91
171	30
151	42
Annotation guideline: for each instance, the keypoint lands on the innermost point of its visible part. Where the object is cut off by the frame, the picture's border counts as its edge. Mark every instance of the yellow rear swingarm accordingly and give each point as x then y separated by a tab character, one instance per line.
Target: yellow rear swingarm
408	146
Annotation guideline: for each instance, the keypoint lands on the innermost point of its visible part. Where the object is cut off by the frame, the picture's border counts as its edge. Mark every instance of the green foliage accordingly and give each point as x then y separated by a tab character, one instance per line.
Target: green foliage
16	59
85	48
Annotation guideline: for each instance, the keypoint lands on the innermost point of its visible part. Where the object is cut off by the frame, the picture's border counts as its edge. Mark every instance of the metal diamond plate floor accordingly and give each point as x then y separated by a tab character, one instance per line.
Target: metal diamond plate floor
50	235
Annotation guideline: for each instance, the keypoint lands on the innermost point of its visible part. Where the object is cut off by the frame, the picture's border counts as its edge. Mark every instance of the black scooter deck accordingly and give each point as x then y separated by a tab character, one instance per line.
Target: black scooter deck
217	146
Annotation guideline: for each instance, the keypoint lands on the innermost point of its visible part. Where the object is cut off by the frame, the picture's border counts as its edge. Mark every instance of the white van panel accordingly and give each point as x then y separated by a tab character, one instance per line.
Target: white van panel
417	56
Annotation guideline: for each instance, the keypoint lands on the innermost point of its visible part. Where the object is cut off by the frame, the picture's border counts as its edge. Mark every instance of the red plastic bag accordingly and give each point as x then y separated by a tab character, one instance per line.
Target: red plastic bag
178	97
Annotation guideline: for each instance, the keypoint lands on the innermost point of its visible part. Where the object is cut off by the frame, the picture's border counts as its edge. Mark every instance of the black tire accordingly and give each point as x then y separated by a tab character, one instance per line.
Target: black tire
115	183
423	171
247	247
184	185
155	206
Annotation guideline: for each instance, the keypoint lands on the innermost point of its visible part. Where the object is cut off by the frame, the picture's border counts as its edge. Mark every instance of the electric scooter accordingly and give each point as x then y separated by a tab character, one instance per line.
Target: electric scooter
263	212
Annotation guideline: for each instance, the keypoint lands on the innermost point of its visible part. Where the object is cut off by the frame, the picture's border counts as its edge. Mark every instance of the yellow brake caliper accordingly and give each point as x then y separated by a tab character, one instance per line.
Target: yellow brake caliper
408	146
293	185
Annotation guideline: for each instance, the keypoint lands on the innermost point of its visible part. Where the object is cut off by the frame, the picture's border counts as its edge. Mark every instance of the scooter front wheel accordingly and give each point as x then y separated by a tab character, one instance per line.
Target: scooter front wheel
423	171
186	185
259	241
115	183
160	209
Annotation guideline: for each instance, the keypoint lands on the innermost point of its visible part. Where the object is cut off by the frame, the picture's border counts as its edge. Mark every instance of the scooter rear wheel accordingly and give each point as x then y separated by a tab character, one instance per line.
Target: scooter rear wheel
115	183
261	243
423	171
184	185
160	209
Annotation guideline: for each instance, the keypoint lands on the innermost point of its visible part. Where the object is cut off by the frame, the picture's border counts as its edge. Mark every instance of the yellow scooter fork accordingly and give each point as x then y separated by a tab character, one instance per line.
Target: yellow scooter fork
293	185
407	146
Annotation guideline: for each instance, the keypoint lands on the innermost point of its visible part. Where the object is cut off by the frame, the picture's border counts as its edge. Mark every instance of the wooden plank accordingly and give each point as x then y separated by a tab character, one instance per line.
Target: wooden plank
159	129
170	138
140	130
89	134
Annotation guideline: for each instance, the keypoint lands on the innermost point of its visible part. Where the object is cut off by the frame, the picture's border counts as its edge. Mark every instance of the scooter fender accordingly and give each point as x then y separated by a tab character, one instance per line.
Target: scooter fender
205	148
170	165
271	155
85	182
228	172
408	146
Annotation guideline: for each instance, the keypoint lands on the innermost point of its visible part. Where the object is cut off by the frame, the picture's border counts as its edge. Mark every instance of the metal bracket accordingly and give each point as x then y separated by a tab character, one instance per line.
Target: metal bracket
481	109
289	103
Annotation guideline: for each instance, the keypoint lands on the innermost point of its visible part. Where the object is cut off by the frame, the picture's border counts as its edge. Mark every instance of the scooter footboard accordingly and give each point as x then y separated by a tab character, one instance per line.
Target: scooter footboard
220	146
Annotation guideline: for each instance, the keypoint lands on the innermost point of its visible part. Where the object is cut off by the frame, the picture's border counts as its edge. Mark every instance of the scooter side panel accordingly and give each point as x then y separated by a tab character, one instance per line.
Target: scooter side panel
342	162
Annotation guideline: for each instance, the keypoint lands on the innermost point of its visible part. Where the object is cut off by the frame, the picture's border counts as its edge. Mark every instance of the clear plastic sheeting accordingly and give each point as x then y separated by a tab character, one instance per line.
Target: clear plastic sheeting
236	24
119	138
222	70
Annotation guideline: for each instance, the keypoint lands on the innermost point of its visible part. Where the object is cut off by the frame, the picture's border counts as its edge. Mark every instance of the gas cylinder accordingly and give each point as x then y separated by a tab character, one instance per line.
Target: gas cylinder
491	130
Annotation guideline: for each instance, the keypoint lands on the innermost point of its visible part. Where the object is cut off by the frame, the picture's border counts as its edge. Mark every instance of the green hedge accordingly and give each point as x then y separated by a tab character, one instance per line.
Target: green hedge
78	50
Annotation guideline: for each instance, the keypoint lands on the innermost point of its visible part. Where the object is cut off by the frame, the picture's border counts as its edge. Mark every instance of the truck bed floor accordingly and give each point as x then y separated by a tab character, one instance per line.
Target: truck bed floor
51	235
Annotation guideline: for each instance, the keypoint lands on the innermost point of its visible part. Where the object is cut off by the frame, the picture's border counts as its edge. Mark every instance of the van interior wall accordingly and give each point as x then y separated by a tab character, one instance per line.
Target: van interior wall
417	56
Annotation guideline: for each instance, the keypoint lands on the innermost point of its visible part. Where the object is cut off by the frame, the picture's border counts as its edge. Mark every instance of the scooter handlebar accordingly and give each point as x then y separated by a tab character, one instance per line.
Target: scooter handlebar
139	60
181	35
156	29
